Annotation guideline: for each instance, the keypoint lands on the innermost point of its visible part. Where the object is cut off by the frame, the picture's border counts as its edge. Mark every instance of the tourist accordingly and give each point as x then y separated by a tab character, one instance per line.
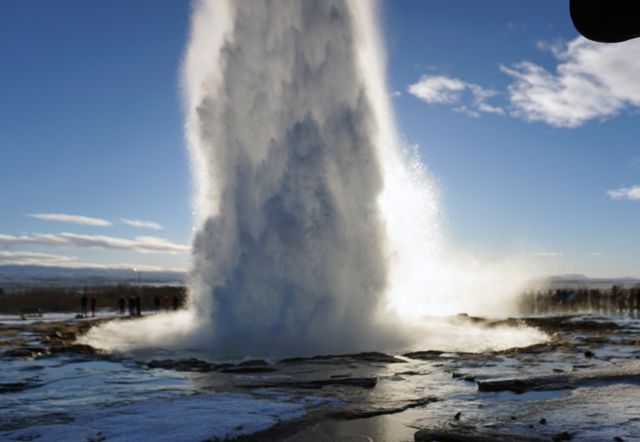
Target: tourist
121	304
93	303
132	305
84	300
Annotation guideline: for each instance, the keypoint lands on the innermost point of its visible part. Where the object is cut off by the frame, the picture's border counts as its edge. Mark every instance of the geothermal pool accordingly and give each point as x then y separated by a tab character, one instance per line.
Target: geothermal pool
583	382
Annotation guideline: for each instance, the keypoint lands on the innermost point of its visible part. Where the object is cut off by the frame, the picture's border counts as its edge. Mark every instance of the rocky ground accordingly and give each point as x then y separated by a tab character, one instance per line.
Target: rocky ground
584	384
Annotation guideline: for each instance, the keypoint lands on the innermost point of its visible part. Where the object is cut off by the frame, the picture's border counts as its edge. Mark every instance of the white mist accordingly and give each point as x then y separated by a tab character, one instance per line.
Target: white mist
316	231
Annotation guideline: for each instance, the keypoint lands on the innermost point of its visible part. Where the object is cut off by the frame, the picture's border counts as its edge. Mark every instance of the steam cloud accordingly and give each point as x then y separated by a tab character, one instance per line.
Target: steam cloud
316	231
289	250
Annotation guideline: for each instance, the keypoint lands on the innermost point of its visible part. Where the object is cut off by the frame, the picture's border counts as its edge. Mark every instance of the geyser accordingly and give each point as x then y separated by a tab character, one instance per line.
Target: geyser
316	230
290	245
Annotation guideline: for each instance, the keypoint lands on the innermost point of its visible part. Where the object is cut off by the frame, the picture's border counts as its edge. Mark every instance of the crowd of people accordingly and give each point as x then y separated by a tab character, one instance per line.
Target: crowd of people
131	305
87	304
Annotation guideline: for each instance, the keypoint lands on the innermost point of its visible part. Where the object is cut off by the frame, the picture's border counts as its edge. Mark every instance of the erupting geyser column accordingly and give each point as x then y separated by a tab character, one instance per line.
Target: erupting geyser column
289	249
315	231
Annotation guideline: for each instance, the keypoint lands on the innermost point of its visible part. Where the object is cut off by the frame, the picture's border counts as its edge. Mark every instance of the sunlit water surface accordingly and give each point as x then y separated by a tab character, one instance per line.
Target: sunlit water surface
78	397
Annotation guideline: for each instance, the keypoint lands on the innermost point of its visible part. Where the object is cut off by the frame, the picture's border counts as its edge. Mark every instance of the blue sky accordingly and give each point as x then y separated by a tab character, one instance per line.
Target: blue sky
531	133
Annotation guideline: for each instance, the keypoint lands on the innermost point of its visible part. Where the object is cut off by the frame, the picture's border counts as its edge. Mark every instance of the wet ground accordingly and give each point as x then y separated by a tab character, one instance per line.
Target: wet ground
583	385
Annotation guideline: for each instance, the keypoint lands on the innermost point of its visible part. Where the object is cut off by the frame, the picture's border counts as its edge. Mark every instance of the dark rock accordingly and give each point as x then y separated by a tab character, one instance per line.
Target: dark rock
191	364
321	383
589	354
242	369
543	421
253	363
470	434
622	373
367	413
364	357
376	357
564	435
424	355
12	387
464	376
74	348
13	342
25	352
350	382
408	373
457	416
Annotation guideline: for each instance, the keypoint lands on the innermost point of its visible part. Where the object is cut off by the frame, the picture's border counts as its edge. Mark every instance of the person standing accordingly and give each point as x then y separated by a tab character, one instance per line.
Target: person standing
84	300
93	304
132	305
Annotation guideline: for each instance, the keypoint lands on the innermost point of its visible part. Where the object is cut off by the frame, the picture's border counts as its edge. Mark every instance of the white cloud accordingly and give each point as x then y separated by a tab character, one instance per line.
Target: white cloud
625	193
23	258
8	257
142	244
480	97
74	219
469	98
546	254
438	89
591	81
142	224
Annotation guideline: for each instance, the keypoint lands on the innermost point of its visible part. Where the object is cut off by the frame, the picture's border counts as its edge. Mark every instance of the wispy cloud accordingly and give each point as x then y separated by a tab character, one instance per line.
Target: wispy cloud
8	257
142	244
546	254
590	81
467	98
625	193
142	224
74	219
22	258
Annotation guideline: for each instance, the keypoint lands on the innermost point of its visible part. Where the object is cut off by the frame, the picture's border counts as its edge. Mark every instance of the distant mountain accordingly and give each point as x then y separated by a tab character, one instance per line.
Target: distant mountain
18	276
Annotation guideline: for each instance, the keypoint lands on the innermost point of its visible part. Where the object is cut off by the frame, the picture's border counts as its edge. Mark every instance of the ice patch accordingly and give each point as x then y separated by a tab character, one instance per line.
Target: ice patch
192	418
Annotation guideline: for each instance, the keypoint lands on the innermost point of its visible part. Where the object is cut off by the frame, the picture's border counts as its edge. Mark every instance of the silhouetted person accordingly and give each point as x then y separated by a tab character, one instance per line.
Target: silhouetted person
175	302
84	300
138	306
132	305
166	303
92	304
156	303
121	303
